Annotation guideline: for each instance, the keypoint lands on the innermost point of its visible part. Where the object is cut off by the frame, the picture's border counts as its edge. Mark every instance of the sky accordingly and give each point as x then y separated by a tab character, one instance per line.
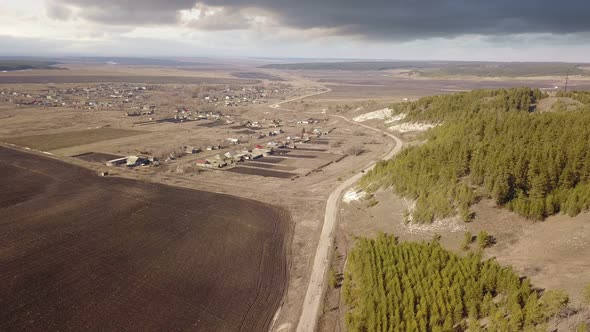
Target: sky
490	30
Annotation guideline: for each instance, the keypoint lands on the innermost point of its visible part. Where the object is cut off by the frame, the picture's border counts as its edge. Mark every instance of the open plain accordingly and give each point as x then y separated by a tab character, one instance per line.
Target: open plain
280	142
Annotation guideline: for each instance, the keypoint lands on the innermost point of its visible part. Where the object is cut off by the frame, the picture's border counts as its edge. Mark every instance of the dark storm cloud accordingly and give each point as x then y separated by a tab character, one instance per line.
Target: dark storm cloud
374	19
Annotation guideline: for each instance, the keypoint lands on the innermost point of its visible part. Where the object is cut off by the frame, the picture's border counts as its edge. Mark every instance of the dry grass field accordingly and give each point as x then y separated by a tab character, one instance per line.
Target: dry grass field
48	142
59	79
83	252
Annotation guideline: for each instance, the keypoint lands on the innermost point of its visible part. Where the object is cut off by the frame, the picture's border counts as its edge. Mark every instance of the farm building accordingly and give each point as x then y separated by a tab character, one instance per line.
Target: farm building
117	162
133	161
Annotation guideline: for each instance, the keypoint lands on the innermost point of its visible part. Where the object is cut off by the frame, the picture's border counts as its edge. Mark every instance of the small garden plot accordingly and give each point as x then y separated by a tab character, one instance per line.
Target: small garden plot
300	156
166	120
270	160
261	172
96	157
211	124
310	149
270	166
246	132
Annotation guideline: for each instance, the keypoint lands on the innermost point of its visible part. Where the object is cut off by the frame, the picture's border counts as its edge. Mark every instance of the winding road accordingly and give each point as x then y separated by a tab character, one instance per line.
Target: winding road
317	284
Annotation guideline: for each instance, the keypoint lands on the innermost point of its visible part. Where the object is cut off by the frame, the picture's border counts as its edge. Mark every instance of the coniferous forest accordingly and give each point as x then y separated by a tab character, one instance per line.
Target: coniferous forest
411	286
497	144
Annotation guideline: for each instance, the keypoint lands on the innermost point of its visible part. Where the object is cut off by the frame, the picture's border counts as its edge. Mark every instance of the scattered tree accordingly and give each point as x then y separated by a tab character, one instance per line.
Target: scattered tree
467	239
586	294
332	279
484	239
554	302
354	150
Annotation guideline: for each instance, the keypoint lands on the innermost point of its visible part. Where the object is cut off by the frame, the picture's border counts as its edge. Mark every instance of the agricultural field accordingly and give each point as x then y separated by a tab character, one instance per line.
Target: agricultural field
444	68
61	79
77	250
48	142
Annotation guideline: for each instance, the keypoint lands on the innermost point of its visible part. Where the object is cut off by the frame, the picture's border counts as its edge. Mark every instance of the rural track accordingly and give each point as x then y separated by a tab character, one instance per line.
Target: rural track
317	284
276	106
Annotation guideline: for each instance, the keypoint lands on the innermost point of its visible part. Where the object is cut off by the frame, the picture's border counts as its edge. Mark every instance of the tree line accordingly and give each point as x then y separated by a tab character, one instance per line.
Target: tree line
493	143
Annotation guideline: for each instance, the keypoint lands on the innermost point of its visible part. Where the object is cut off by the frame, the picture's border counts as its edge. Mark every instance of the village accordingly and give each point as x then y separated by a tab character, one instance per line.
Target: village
272	147
141	99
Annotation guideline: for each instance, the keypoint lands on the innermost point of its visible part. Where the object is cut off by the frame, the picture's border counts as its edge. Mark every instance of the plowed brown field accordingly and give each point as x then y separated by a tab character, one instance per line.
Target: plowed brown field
80	252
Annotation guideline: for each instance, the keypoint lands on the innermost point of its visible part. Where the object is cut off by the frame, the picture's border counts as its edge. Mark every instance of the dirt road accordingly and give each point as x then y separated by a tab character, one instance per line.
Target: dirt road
313	297
277	105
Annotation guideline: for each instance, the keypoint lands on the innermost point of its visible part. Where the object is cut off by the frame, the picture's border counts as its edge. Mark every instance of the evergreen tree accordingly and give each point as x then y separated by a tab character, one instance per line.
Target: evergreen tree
423	287
493	143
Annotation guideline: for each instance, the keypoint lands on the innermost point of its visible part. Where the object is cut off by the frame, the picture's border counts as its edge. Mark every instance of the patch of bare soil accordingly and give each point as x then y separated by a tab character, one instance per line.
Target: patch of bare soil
96	157
261	172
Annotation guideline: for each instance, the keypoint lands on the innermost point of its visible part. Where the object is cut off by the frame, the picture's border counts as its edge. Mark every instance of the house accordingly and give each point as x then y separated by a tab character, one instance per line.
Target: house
203	163
233	141
255	155
133	161
265	152
235	156
218	161
191	150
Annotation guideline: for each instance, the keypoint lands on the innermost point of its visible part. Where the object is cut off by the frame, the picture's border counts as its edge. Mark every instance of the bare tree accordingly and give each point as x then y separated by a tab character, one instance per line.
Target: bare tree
335	144
354	150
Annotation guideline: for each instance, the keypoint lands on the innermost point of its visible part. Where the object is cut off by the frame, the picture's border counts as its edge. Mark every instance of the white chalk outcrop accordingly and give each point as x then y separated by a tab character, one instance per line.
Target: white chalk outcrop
381	114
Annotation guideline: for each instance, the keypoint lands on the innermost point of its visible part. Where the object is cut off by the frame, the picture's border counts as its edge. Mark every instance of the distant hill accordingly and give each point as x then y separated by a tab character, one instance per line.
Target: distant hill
447	68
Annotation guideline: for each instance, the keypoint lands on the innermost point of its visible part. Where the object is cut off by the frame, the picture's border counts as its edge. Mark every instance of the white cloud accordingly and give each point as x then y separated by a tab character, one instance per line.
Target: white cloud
41	27
203	17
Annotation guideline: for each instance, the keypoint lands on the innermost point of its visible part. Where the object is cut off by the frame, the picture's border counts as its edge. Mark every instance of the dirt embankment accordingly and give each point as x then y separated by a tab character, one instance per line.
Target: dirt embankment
79	251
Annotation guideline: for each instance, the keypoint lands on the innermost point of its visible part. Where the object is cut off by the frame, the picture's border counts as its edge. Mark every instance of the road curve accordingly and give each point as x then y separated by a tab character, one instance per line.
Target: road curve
317	283
313	297
277	106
